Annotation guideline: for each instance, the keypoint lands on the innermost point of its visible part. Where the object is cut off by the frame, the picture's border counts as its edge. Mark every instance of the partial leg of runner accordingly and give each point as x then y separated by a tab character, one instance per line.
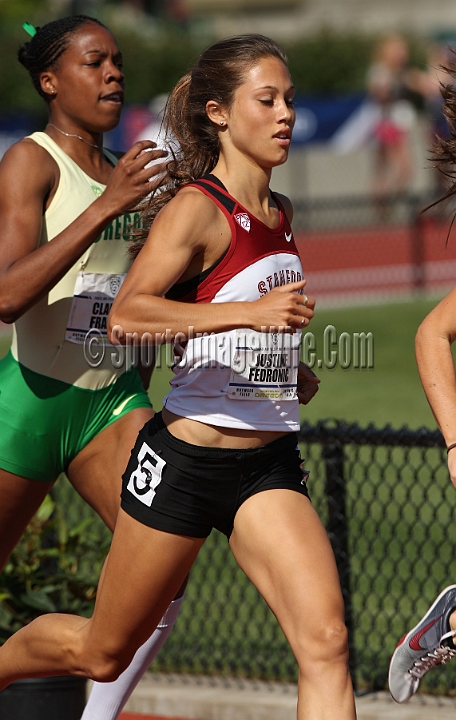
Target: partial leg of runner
96	473
107	700
293	567
143	573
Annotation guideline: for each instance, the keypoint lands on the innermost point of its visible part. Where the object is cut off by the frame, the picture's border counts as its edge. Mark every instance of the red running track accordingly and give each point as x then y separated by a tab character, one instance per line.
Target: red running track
376	260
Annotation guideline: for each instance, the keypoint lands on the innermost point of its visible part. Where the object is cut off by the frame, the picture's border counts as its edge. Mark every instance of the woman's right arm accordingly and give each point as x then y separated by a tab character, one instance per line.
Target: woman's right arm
28	176
183	231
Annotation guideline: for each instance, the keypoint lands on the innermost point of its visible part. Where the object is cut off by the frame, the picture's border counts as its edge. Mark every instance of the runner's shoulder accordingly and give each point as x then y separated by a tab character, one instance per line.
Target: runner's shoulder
191	203
190	218
26	159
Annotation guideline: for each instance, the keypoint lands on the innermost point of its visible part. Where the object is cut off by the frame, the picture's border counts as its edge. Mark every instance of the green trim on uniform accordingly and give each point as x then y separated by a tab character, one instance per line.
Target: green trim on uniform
45	423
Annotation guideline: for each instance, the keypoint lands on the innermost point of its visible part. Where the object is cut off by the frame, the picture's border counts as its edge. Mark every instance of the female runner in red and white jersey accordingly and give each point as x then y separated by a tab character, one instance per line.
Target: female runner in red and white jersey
219	273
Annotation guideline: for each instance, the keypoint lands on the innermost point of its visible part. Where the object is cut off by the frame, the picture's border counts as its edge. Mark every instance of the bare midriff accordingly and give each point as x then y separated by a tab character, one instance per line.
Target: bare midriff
197	433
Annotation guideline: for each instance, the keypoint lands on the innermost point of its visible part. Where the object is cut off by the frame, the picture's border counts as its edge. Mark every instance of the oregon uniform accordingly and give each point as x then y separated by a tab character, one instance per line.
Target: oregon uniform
61	384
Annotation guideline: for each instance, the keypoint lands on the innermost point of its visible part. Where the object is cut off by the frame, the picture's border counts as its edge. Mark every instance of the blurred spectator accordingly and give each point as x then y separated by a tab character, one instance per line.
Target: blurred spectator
179	12
388	87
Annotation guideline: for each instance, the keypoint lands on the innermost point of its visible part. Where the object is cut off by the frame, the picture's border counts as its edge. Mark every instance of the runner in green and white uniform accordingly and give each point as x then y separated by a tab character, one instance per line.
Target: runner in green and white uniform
54	374
66	402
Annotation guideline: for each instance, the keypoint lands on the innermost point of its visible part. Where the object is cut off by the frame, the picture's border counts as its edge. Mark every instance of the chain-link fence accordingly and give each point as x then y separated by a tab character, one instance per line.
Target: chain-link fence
384	495
386	500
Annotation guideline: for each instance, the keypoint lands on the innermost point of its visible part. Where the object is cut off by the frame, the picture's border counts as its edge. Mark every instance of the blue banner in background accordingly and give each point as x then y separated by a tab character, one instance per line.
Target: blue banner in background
14	128
319	118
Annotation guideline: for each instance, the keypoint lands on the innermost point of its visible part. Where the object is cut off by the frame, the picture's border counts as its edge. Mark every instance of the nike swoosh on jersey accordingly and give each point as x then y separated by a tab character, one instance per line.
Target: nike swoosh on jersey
288	237
119	409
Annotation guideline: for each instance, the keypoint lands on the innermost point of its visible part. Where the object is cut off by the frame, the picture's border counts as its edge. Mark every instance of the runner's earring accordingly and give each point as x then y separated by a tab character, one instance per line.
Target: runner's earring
222	122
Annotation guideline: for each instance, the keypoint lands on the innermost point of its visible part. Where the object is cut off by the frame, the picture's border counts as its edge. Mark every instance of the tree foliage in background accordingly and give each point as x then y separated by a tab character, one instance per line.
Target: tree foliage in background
154	67
326	63
54	568
331	63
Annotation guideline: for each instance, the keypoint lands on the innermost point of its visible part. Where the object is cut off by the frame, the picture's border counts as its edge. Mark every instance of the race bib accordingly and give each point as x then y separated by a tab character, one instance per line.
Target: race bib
264	366
94	294
147	476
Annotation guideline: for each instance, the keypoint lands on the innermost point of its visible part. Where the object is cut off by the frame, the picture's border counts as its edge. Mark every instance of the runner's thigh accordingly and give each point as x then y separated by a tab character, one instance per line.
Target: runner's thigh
282	546
143	572
96	472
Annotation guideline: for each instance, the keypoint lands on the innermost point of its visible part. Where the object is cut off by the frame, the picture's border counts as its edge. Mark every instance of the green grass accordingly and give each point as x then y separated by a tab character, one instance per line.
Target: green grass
391	391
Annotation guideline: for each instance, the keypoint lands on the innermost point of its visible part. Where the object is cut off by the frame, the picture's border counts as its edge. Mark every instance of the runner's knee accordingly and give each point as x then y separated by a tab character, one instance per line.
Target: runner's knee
325	645
98	661
106	667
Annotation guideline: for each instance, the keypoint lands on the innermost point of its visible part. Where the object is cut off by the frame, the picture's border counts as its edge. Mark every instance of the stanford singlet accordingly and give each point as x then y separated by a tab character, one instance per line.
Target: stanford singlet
241	378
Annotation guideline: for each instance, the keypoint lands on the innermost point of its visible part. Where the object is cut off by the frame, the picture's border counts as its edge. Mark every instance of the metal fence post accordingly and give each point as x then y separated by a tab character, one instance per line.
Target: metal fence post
417	244
337	528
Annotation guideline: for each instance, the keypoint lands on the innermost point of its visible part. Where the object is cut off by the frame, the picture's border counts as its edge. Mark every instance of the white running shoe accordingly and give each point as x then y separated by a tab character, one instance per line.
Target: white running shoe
427	645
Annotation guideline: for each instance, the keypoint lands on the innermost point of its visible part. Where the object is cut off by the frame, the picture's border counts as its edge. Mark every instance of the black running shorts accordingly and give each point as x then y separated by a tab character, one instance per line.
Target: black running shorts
186	489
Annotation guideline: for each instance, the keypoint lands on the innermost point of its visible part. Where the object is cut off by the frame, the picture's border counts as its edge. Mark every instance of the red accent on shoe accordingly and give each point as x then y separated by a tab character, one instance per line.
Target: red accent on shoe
415	640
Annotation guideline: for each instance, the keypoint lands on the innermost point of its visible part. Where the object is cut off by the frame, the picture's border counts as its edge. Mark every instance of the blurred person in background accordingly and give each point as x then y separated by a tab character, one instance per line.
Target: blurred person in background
151	131
393	119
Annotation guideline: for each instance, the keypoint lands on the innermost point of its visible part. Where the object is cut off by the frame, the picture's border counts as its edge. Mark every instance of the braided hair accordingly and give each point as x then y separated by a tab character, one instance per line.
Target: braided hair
48	44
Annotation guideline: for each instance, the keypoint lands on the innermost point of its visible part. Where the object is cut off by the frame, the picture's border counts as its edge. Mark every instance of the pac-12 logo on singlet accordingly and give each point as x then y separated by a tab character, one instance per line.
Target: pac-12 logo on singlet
147	475
243	220
115	283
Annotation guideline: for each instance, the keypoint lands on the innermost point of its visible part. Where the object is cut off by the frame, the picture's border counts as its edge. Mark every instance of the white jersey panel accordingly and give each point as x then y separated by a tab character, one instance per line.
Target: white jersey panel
259	278
242	379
